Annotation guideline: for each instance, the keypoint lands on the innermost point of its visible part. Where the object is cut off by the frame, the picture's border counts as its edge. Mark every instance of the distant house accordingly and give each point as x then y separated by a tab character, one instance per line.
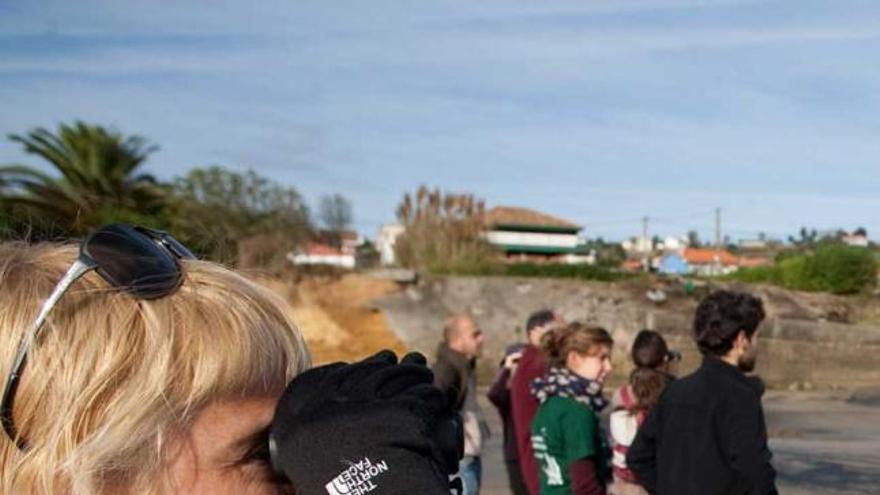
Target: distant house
672	243
524	234
322	254
633	265
710	261
673	264
637	246
755	244
348	240
386	239
855	240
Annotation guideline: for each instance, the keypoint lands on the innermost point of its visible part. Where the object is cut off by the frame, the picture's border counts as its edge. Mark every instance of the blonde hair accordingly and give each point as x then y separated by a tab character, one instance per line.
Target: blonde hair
114	379
574	337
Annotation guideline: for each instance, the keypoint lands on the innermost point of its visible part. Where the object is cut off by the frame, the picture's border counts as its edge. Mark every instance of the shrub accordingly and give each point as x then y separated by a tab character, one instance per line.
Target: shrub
843	269
796	273
559	270
443	233
834	268
758	274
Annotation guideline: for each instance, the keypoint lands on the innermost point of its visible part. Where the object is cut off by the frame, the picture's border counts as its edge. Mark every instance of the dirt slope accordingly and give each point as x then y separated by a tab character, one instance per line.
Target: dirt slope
336	317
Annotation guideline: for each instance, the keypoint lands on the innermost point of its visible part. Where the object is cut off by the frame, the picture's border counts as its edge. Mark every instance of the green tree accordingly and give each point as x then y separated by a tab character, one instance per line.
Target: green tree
94	179
239	218
807	239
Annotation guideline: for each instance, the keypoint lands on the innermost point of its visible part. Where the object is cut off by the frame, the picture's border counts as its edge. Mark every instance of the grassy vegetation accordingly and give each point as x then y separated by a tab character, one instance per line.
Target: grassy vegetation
543	270
834	268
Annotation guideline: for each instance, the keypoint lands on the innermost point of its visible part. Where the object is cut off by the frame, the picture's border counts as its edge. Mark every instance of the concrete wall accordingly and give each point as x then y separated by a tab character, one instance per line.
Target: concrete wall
802	352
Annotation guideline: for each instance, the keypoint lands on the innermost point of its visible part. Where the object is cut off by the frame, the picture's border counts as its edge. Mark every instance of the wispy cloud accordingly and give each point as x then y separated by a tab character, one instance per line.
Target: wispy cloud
592	110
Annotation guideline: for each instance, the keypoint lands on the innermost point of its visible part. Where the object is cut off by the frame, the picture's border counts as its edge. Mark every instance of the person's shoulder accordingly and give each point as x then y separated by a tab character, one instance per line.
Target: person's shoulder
622	398
745	392
711	382
685	384
562	413
445	369
572	409
531	366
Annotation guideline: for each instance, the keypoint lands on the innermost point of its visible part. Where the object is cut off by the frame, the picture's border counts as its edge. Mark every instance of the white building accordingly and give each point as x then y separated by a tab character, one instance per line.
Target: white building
524	234
638	245
855	240
386	238
322	254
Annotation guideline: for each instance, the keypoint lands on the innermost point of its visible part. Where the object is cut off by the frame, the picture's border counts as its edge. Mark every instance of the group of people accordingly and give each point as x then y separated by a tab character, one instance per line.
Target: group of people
657	434
131	367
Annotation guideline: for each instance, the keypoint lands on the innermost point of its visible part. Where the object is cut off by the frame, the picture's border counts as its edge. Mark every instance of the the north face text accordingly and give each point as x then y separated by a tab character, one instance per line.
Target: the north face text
358	479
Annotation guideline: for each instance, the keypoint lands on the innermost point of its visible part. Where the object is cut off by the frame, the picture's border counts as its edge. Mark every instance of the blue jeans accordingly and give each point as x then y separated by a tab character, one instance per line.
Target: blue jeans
470	469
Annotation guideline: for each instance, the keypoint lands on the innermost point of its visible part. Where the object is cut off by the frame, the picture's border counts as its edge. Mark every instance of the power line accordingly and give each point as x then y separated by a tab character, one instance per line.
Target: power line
654	219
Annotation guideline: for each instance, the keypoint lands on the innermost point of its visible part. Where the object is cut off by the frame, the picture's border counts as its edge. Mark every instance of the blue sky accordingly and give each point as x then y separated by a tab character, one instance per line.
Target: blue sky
599	112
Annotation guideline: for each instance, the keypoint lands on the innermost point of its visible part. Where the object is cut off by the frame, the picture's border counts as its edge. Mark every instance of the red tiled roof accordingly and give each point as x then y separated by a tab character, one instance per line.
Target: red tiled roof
508	215
632	265
695	256
316	249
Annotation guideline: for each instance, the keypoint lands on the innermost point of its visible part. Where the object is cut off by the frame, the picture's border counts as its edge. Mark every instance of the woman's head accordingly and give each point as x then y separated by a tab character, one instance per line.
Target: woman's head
652	359
116	393
649	350
583	349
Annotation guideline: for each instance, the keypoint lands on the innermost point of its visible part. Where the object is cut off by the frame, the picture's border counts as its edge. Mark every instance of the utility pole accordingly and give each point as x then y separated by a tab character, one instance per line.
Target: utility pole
646	261
718	241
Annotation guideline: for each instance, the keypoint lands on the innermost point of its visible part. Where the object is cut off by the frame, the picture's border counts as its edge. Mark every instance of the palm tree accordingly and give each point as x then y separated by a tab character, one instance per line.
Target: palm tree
98	178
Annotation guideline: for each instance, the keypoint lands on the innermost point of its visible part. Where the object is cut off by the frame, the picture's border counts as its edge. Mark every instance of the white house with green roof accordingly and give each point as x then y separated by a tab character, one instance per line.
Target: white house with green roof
524	234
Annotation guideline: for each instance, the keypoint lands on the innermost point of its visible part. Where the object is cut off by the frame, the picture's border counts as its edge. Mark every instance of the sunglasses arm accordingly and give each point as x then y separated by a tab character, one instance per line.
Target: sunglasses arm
79	268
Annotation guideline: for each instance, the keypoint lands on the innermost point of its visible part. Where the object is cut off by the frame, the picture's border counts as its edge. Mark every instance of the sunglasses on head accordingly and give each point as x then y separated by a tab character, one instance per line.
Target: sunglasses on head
138	260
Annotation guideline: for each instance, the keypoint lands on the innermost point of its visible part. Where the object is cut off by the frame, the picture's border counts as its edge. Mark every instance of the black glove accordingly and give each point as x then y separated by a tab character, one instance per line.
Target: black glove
375	427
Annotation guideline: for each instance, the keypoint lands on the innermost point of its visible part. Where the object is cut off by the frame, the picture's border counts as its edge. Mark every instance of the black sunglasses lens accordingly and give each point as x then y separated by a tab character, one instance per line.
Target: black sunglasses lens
178	248
133	261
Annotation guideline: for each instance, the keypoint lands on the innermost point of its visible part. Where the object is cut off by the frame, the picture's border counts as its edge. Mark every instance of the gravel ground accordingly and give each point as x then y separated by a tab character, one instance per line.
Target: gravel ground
822	445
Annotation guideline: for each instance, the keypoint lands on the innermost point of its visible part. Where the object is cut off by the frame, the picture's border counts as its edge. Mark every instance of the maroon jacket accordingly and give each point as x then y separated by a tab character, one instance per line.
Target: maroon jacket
524	406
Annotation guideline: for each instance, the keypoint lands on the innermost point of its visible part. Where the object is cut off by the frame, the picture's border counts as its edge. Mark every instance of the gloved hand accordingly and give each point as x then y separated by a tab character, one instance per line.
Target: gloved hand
376	426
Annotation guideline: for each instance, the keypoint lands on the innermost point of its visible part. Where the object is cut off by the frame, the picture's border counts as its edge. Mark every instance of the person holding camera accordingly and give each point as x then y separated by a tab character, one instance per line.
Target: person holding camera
133	368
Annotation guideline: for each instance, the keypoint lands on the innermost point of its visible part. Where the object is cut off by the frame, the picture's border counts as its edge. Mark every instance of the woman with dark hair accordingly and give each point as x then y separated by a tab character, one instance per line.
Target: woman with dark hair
568	444
631	403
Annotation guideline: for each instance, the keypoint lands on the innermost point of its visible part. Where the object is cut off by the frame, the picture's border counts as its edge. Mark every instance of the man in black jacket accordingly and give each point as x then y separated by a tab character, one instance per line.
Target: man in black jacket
454	371
707	435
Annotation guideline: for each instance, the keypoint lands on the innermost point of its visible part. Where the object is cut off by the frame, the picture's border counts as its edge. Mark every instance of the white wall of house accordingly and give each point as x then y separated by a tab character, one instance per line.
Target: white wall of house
580	259
386	238
856	240
536	239
341	260
752	244
638	245
711	269
349	246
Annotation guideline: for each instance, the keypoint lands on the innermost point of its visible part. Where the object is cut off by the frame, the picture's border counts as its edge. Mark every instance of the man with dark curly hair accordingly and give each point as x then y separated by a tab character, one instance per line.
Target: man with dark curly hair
707	434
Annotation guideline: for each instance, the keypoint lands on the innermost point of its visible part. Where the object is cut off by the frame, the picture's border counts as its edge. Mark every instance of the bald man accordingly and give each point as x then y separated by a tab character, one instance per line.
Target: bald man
454	370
